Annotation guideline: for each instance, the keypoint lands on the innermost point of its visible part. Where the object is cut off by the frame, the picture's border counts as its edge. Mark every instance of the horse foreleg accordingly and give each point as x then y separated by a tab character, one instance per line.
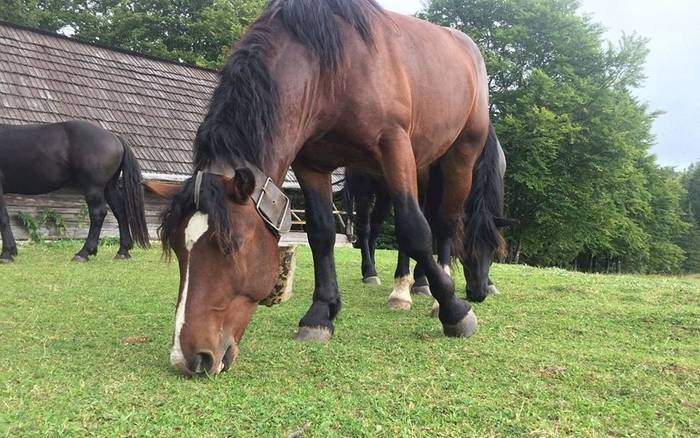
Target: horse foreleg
9	247
446	229
415	238
400	298
317	324
420	282
97	207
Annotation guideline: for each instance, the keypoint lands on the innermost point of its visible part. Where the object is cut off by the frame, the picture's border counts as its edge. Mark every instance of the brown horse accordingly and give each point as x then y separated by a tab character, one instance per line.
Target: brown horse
319	84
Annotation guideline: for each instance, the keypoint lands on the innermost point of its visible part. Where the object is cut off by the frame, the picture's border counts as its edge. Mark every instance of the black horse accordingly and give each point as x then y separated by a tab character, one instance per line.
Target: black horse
36	159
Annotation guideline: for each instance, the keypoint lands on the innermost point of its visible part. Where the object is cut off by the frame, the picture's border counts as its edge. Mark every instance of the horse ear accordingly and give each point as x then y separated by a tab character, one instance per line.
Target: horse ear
241	186
163	190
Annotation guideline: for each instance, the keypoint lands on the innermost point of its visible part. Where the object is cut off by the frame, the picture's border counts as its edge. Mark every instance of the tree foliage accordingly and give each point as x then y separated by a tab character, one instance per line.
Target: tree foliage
580	178
198	32
691	208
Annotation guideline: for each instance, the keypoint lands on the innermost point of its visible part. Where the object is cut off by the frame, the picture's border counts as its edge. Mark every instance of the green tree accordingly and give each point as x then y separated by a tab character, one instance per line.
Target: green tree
44	14
691	206
198	32
580	179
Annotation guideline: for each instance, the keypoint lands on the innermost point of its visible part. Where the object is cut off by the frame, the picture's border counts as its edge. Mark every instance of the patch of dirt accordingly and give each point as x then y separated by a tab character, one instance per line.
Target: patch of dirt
552	372
673	369
300	432
135	340
690	405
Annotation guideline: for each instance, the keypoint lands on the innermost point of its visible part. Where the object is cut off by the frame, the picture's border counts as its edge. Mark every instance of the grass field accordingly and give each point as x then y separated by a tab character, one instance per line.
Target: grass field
84	351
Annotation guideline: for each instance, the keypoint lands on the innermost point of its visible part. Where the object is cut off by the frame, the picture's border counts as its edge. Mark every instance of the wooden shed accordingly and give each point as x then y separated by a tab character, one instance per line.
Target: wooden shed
157	104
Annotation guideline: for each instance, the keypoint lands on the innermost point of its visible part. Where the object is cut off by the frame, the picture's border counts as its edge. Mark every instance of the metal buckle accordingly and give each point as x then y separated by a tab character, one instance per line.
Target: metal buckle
269	221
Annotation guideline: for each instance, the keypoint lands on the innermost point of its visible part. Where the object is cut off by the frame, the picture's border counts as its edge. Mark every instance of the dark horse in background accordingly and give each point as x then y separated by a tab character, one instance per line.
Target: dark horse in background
367	201
36	159
322	84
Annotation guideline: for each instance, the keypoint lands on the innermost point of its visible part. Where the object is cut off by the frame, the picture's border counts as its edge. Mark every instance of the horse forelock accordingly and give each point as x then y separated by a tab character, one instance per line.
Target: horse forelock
212	206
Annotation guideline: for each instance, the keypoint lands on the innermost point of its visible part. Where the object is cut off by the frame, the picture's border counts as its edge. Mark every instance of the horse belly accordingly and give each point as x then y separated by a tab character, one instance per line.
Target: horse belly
34	179
32	186
33	159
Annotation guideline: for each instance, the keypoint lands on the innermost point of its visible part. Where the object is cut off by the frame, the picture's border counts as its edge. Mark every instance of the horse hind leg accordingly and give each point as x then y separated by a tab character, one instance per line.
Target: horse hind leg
9	247
415	238
97	207
116	202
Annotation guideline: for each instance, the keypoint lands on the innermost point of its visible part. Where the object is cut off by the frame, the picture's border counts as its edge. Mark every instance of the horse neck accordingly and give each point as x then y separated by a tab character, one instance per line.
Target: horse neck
305	110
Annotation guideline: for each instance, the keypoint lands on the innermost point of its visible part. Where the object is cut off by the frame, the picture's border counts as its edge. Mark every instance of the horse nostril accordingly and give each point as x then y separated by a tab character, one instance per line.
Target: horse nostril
201	363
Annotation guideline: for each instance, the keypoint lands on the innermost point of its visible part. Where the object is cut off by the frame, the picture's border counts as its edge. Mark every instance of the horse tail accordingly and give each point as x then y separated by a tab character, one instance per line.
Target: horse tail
132	191
484	207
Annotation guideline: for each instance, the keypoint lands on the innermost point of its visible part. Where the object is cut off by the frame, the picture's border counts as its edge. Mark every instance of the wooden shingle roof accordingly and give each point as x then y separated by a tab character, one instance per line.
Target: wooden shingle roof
156	104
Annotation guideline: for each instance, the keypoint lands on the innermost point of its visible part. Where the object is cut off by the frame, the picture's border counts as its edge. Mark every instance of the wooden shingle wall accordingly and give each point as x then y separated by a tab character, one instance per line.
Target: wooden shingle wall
157	105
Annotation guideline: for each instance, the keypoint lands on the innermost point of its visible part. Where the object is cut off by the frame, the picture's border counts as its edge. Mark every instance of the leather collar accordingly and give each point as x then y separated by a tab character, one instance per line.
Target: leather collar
273	206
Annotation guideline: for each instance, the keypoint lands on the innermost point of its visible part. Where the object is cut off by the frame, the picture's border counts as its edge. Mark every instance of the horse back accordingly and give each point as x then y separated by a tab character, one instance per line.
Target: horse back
420	78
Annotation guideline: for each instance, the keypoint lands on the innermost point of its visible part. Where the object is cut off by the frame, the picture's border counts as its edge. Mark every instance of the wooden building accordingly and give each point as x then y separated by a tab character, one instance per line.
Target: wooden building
156	104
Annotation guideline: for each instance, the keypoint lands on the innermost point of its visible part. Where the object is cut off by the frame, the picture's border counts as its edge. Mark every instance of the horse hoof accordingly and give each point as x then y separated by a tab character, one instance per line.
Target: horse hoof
314	334
374	281
395	304
423	291
435	311
6	261
492	290
80	259
122	257
463	329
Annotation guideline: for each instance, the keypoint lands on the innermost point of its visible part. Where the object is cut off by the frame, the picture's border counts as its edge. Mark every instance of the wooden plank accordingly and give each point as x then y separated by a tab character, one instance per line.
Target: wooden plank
301	239
70	204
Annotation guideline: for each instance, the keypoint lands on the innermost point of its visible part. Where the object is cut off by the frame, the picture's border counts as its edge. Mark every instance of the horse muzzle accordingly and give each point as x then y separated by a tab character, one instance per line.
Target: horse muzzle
205	363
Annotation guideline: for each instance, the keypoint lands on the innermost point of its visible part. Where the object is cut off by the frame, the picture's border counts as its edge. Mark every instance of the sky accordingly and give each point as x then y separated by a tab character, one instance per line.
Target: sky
673	65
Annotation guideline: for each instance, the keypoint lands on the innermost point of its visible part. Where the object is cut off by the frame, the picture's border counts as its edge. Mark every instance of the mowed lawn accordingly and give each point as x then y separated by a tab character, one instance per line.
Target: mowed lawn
84	351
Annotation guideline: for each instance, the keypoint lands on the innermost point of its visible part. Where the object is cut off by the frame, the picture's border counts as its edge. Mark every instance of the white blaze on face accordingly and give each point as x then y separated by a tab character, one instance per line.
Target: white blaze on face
198	225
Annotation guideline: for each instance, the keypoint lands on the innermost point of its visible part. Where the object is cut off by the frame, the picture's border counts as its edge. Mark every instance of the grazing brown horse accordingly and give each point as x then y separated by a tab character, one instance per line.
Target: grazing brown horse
320	84
36	159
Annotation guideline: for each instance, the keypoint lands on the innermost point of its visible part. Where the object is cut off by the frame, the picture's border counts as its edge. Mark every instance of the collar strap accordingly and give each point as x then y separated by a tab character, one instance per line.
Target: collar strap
273	206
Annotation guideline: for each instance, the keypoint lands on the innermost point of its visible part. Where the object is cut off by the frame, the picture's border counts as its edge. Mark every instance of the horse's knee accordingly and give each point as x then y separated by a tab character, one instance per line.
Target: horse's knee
413	236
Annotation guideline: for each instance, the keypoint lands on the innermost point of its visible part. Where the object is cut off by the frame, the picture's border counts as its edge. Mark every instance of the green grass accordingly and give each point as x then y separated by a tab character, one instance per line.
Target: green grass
84	351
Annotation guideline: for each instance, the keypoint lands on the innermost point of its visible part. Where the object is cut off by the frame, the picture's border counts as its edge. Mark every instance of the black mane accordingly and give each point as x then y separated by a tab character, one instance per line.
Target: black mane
243	112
